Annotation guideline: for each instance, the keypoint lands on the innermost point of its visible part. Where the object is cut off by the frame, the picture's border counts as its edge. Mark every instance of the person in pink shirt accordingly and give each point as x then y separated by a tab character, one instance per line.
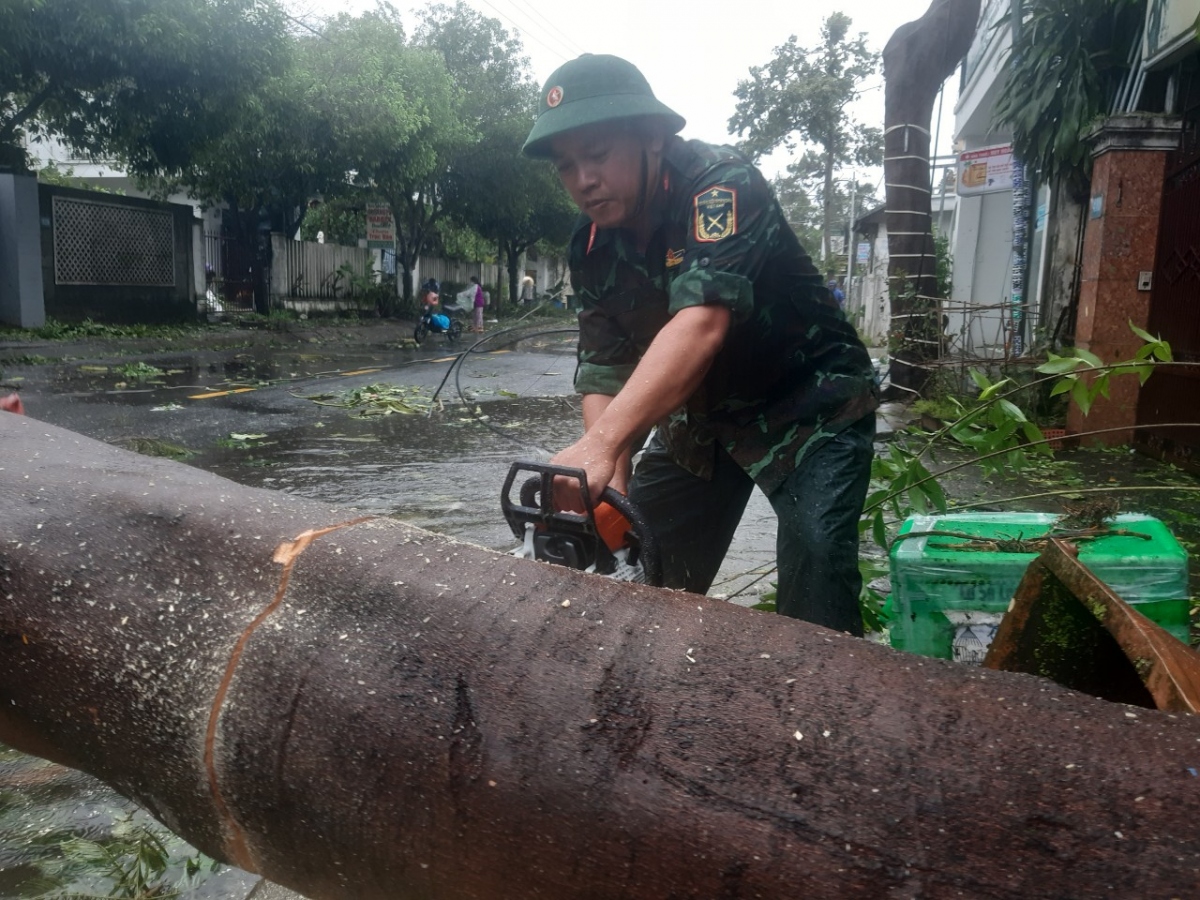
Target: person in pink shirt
480	302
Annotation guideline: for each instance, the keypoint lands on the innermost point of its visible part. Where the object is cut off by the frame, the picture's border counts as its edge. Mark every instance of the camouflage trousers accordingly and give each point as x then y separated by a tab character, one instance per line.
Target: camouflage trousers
817	541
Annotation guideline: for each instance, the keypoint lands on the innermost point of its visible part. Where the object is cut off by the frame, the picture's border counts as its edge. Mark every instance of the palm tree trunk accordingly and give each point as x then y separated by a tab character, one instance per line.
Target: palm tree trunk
918	58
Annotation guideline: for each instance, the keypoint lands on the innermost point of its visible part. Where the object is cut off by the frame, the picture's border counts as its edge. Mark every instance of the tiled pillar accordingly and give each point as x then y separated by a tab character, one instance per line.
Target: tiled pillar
1119	244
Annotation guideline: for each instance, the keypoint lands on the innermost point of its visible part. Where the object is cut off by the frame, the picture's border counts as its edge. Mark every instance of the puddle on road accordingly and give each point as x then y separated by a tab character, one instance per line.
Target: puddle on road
442	472
148	381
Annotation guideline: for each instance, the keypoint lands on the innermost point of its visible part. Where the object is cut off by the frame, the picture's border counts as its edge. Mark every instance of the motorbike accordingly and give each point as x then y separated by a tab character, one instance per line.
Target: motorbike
447	322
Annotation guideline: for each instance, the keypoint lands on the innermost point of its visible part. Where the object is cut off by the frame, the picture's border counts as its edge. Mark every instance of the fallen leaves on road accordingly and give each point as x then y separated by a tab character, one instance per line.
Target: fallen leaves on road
375	400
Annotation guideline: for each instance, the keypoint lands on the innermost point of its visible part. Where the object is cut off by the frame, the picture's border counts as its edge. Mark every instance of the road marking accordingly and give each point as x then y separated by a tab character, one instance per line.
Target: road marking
219	393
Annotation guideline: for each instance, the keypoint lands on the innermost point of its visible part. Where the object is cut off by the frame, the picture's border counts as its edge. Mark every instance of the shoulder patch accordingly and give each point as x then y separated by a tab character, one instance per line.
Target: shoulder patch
715	214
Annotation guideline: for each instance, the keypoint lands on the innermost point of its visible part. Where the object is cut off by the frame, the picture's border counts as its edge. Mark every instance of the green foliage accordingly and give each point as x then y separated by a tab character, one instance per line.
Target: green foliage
507	198
376	400
58	330
343	221
134	862
994	429
1068	58
277	152
485	61
139	371
370	290
143	82
803	94
52	174
945	264
801	193
1084	376
393	113
156	447
492	190
457	241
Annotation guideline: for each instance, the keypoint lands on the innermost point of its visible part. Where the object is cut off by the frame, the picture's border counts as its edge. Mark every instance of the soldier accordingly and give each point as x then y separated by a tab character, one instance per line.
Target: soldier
703	315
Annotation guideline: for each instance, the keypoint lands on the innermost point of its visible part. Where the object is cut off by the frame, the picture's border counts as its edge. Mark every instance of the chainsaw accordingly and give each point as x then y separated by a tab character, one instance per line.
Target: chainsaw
608	538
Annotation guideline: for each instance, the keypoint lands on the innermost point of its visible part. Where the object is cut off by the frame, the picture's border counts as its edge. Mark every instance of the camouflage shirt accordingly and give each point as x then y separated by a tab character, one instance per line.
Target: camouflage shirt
792	371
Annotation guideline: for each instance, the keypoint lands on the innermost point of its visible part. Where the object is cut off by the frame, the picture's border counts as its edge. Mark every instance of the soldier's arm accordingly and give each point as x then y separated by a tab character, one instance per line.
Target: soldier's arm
668	374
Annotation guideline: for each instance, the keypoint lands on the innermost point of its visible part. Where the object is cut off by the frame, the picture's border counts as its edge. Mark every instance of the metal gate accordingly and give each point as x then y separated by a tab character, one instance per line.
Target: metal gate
229	274
1172	395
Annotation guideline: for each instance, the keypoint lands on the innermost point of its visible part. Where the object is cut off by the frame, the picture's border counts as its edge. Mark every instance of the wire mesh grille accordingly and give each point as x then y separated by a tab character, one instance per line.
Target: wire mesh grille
105	243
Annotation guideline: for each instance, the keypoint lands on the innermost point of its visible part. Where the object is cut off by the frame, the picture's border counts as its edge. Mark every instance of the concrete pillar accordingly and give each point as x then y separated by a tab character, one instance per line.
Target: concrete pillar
1120	241
22	300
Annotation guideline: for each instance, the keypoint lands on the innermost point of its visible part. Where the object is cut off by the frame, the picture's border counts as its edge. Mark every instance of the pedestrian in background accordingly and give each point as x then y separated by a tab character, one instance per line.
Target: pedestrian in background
480	303
837	292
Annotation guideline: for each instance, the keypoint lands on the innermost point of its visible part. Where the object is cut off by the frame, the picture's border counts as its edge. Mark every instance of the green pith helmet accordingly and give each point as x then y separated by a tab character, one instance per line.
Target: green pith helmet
594	88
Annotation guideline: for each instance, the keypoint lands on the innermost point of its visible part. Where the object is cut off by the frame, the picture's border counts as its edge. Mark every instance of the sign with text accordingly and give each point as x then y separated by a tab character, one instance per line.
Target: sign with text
381	227
985	170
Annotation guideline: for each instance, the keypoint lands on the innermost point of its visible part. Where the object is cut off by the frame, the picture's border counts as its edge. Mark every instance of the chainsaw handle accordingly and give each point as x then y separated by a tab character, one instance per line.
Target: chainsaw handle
536	506
648	546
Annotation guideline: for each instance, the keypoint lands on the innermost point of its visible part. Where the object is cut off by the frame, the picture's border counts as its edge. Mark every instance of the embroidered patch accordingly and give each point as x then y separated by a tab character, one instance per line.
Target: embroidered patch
716	214
554	96
674	258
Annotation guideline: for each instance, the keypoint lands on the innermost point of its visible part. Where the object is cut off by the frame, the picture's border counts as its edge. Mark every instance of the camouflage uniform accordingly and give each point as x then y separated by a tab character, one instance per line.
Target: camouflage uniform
792	378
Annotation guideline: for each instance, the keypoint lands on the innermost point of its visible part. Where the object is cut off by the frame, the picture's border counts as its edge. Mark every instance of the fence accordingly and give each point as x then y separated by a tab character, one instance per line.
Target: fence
302	270
448	271
309	277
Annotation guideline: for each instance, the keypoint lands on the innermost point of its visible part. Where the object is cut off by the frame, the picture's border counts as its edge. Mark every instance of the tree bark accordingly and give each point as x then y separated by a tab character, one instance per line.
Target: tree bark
373	711
918	58
513	251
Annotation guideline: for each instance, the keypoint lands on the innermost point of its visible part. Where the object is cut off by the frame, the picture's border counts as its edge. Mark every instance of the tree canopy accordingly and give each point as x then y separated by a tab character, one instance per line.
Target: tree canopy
513	200
801	193
802	95
238	103
145	81
394	112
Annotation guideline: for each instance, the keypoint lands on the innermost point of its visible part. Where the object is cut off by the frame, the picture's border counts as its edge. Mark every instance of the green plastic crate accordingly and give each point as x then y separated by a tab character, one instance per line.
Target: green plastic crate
947	602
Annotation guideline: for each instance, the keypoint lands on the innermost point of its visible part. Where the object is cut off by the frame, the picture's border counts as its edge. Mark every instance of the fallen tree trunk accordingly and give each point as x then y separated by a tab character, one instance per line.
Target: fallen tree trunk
380	712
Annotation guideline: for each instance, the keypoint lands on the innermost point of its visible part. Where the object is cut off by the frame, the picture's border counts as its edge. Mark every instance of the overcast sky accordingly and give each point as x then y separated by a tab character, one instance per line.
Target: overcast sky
693	52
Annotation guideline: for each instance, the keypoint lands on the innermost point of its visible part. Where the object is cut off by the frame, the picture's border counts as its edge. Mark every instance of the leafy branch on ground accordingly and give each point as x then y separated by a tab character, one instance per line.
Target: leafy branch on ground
999	435
375	400
137	861
994	428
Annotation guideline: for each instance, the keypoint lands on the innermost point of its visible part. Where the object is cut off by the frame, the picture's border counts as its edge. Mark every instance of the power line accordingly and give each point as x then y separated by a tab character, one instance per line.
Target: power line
524	32
567	39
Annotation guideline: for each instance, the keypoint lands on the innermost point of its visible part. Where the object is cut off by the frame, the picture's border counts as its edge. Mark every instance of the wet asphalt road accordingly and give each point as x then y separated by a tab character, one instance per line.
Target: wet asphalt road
248	414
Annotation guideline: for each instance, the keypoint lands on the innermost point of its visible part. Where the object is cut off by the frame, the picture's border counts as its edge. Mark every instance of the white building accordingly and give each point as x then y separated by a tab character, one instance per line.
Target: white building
980	314
107	176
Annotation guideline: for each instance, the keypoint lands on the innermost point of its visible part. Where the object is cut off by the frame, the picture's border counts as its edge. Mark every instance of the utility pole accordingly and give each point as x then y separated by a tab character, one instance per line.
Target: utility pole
851	245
